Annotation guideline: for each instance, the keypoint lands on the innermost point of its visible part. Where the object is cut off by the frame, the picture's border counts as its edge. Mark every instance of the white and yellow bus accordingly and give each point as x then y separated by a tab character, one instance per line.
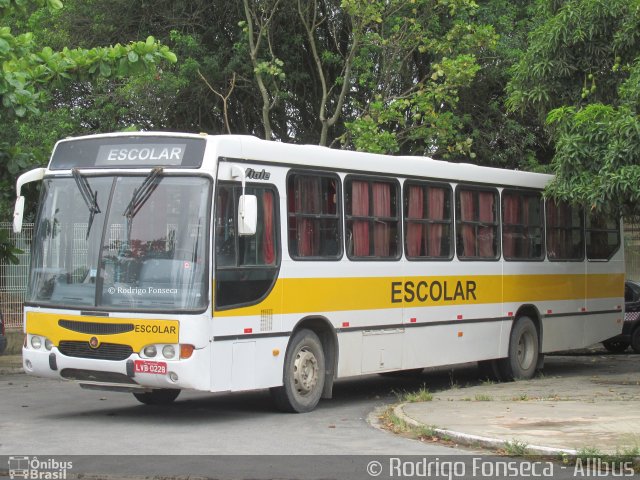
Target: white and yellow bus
163	262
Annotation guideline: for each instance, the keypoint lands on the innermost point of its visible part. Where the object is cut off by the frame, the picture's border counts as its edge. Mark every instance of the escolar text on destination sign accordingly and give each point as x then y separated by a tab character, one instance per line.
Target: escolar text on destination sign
435	291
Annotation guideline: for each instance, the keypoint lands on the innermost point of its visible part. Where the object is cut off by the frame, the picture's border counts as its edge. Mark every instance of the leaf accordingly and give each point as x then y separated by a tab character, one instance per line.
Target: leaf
54	4
133	56
105	70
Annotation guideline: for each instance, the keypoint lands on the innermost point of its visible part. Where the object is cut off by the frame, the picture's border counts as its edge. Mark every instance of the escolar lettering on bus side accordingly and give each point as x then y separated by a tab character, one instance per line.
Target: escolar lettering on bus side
435	291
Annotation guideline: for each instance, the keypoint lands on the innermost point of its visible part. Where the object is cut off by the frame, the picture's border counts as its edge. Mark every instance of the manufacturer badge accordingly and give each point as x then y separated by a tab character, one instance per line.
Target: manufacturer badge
94	342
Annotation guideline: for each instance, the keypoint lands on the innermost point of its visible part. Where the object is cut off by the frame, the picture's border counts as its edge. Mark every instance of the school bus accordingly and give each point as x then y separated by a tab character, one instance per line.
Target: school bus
163	262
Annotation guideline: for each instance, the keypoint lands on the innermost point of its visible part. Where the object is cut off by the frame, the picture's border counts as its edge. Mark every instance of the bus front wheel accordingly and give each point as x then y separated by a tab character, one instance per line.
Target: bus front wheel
160	396
303	376
524	350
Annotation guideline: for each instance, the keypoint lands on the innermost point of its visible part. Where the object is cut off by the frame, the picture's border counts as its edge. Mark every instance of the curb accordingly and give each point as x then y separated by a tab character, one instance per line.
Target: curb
11	364
478	440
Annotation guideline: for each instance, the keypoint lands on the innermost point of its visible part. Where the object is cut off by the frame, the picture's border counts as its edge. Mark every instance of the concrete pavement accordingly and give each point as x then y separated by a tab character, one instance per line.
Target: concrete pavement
581	403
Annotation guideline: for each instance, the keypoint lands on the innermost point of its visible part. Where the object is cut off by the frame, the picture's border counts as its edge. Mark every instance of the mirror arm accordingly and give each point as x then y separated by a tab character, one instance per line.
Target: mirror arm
236	172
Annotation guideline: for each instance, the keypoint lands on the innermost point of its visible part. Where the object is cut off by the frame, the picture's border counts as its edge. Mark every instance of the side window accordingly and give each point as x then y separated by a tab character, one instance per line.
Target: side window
314	224
603	235
428	228
476	224
522	225
246	266
372	219
565	231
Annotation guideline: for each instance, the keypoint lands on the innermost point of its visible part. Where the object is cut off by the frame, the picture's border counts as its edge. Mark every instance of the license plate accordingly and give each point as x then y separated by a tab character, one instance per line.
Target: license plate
147	366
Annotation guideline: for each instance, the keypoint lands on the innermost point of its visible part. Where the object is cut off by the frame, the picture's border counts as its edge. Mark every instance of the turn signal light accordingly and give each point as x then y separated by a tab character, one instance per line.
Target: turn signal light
186	350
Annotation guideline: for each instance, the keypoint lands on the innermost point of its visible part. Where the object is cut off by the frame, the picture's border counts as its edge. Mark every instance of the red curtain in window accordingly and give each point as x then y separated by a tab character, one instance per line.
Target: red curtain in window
511	217
552	231
436	212
486	235
268	246
360	207
381	208
525	243
415	210
565	221
467	231
308	200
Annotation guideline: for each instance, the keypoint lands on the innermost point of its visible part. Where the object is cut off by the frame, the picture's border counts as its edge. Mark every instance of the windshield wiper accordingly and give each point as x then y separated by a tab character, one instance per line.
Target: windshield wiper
140	196
142	193
90	198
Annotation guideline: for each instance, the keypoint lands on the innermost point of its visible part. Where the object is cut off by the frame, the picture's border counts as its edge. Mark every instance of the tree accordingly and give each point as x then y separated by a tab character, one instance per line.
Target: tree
414	62
597	150
31	72
582	73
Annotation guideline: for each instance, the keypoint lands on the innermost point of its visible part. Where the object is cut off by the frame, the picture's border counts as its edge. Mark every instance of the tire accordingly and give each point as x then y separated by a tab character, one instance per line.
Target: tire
303	375
616	346
524	350
635	340
161	396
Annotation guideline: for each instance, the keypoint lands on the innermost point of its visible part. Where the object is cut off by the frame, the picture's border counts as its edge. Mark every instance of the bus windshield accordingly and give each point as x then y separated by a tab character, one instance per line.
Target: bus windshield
122	243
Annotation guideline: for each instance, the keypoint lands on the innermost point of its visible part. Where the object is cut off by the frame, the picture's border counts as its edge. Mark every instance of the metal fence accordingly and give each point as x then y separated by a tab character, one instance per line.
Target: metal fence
13	278
632	251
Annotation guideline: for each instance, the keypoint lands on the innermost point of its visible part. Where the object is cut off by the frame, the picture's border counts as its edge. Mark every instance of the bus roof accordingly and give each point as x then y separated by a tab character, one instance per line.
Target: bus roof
252	148
246	147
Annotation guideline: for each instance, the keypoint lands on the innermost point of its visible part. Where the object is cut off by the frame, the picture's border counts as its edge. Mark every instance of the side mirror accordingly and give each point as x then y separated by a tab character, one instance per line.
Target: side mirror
34	175
247	214
18	213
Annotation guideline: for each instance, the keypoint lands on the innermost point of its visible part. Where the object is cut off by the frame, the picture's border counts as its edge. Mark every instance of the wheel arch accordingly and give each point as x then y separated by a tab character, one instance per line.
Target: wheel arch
531	311
323	328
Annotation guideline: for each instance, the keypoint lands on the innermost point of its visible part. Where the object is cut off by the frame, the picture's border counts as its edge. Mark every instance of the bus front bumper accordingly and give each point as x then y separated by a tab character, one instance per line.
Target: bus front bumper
122	375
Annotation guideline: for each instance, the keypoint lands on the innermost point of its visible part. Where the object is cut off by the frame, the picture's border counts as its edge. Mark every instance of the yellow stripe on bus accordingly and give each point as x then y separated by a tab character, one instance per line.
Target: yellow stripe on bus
306	295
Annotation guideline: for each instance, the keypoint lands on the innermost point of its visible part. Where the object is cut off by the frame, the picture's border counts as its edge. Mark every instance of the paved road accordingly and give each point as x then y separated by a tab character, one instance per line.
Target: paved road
43	417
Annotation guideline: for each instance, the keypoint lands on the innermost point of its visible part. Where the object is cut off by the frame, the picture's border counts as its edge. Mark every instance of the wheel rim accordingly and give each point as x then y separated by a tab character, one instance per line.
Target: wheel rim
526	349
305	371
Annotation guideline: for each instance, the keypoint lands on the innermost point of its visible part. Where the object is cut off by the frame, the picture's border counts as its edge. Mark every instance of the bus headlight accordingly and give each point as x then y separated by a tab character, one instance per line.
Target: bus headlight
48	344
150	351
36	342
168	351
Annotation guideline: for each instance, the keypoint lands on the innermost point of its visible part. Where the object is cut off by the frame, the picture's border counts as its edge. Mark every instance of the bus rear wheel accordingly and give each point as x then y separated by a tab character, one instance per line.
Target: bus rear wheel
524	350
161	396
303	376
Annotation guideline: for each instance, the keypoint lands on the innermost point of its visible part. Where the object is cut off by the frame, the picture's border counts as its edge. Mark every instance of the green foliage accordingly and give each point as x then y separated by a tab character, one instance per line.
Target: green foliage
596	160
414	61
8	252
576	54
581	71
31	75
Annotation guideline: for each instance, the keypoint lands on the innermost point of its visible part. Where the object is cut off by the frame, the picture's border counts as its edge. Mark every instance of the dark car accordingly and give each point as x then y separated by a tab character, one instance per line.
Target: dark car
631	327
3	337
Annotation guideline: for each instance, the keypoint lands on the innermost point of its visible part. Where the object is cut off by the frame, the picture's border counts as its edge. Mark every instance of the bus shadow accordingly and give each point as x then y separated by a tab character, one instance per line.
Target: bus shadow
358	393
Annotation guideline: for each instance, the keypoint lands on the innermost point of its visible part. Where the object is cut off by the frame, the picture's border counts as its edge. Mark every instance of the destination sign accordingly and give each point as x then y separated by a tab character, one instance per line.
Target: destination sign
116	155
135	151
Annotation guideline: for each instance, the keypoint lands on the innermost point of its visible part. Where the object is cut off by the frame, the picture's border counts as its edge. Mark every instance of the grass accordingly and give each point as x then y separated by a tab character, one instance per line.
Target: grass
516	448
609	463
398	425
481	397
421	395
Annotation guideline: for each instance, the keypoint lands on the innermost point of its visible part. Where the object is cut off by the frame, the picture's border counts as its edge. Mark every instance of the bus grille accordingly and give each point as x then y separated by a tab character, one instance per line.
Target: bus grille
106	351
94	328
